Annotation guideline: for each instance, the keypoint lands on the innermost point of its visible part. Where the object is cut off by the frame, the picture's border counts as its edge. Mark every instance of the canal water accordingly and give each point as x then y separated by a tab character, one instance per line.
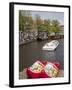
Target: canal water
31	52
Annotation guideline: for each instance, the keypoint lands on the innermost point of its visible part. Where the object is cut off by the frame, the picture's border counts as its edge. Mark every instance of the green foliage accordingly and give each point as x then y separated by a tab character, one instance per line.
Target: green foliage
21	21
55	27
38	22
26	22
47	25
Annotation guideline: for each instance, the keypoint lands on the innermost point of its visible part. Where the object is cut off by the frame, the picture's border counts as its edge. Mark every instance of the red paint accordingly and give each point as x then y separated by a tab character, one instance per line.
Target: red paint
42	73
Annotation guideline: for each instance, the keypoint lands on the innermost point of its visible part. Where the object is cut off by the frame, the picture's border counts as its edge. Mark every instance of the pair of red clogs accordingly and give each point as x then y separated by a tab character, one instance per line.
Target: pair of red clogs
43	69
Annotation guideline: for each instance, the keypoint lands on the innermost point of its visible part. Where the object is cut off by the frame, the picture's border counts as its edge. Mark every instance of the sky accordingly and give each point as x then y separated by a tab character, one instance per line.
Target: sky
49	15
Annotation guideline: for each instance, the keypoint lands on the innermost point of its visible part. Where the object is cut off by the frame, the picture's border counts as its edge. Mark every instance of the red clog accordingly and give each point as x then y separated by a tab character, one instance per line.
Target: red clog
50	70
35	70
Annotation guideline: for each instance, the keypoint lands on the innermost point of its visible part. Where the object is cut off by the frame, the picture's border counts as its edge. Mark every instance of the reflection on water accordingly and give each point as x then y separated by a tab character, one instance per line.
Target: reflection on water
32	52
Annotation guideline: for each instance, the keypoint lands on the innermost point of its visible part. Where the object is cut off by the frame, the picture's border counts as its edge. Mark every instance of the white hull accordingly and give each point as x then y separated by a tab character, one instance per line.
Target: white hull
50	48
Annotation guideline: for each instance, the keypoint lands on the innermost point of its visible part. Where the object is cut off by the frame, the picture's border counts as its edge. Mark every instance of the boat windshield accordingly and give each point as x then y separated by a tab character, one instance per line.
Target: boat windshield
52	43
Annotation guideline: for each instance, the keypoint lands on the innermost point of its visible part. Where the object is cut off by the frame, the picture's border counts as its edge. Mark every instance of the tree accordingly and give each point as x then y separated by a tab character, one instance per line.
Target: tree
29	23
25	20
47	25
55	27
39	22
21	21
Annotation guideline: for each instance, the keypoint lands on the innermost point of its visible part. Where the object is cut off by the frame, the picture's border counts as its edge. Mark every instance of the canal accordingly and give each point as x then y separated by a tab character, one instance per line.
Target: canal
31	52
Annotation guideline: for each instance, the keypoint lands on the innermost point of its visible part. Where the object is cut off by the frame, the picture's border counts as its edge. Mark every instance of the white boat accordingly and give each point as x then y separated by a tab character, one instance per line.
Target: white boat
51	45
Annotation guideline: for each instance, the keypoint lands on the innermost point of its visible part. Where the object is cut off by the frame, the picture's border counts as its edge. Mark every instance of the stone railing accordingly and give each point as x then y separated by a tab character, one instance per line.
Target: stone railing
26	37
